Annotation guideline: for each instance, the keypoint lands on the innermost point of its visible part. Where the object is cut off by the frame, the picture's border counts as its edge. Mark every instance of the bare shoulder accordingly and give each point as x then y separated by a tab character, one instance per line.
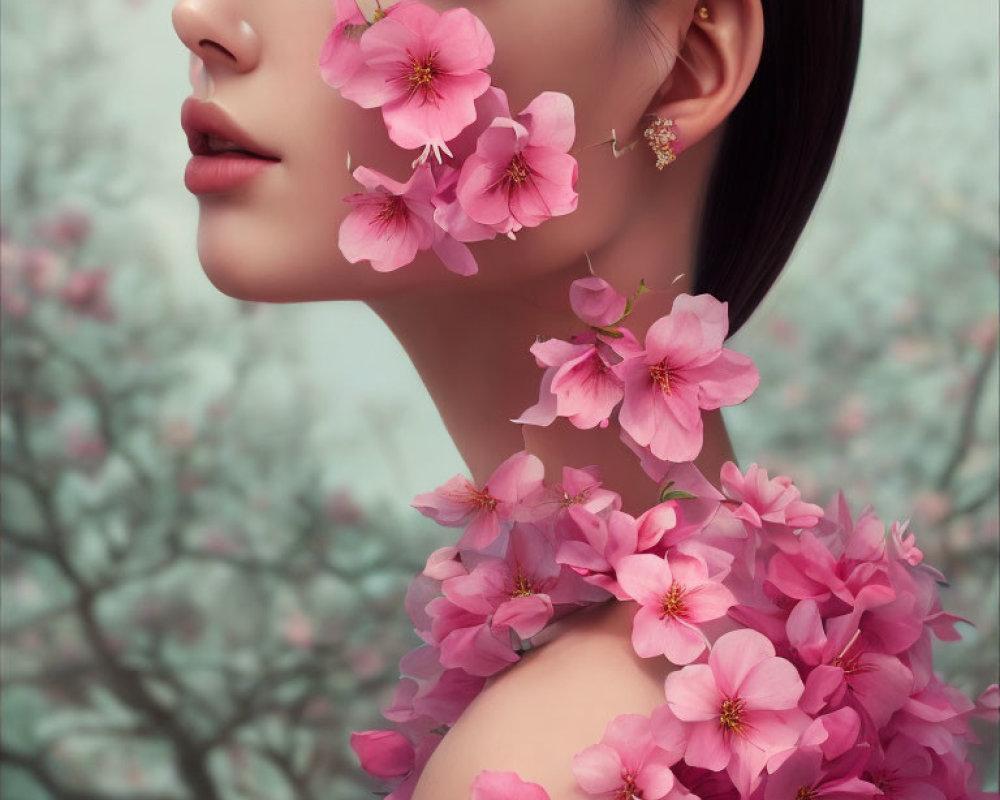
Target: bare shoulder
533	718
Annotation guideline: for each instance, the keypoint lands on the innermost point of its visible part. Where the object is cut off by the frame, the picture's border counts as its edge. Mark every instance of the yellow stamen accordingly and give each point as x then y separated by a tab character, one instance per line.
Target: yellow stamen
672	603
731	714
522	585
660	374
422	72
517	171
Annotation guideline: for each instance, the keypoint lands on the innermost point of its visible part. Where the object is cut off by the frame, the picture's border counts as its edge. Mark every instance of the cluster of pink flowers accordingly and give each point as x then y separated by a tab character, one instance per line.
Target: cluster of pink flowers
824	690
492	172
801	635
662	385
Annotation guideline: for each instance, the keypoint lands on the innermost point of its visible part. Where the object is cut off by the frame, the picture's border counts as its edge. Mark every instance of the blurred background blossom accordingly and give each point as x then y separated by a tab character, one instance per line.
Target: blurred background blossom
206	531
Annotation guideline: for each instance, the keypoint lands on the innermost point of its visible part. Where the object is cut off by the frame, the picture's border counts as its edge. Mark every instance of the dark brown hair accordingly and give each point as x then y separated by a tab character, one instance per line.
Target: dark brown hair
777	149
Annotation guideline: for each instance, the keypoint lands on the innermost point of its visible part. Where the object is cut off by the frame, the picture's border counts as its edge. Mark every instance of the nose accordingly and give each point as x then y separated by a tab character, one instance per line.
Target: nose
217	33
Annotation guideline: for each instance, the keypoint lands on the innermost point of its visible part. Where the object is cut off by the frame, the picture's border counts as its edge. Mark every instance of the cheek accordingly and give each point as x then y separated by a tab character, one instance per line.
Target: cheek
569	46
277	240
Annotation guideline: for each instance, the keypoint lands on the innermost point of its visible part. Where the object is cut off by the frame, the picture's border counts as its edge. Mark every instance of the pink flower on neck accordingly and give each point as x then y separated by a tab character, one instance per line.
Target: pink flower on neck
579	487
628	764
579	382
675	595
596	302
741	707
390	221
521	173
490	785
683	371
485	509
425	70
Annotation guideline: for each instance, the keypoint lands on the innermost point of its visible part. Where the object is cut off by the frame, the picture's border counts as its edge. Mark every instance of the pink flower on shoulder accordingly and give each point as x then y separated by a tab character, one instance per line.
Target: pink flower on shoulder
683	371
515	591
741	707
521	173
767	500
675	595
597	545
806	774
390	221
383	754
490	785
425	69
628	763
485	509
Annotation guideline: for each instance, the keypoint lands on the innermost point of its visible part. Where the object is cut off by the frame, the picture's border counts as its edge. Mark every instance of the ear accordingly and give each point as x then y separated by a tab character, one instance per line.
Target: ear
718	57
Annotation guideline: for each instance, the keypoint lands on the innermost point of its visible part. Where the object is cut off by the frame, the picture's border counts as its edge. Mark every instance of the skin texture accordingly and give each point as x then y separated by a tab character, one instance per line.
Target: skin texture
275	240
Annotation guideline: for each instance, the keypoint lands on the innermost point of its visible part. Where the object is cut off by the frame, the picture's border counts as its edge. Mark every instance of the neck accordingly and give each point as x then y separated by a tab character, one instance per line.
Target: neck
470	347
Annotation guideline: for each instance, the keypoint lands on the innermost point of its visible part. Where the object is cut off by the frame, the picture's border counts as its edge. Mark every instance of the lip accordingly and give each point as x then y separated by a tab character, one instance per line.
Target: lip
201	120
222	172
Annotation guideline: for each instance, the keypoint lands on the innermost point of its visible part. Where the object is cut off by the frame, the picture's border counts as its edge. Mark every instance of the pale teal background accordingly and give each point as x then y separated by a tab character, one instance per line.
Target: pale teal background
877	351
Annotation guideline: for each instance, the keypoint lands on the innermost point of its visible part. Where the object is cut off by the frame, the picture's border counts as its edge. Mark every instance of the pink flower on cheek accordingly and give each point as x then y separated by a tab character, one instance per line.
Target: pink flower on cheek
341	56
684	370
741	706
521	173
674	595
628	764
490	785
390	221
425	70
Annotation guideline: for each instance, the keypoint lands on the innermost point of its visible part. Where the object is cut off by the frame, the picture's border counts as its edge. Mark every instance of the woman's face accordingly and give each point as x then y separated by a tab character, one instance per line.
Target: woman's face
274	238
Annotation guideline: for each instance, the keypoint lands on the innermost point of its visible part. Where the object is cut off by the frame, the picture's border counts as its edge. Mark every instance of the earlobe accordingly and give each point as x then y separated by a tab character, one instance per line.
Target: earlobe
718	58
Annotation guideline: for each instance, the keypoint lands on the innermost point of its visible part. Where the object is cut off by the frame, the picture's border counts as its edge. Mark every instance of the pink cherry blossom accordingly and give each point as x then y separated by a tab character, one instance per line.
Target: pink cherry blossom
598	545
875	683
579	487
383	754
341	56
425	70
514	591
596	302
741	706
805	774
458	502
390	221
579	382
675	594
628	763
444	563
766	500
467	641
521	173
683	371
489	785
85	291
903	771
